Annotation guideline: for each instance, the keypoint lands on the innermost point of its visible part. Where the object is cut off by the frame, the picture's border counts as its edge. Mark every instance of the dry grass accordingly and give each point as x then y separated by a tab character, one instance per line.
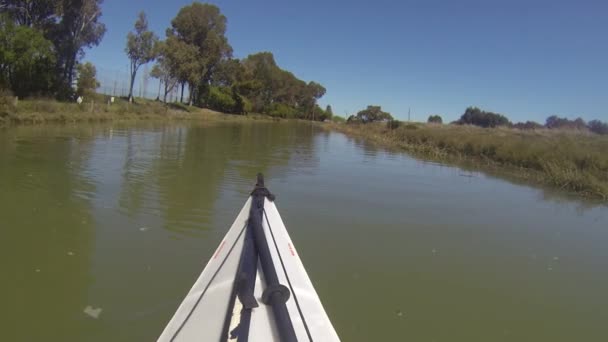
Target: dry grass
39	111
569	160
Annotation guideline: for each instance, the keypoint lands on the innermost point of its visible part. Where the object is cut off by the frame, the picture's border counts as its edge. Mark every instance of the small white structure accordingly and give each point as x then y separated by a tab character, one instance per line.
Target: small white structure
79	100
112	99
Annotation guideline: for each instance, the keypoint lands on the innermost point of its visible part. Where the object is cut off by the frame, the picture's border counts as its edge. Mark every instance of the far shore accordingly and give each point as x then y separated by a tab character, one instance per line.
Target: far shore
45	111
571	161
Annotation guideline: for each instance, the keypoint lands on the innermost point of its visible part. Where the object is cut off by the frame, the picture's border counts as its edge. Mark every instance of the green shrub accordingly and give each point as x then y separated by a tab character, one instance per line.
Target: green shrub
393	124
435	119
282	111
7	101
337	119
221	99
598	127
478	117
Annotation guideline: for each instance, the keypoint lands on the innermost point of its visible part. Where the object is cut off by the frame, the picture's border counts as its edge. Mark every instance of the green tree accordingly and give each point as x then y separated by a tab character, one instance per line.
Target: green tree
478	117
435	119
262	73
312	93
141	47
78	27
273	90
371	114
87	82
528	125
163	72
556	122
197	43
329	111
598	127
32	13
229	72
26	59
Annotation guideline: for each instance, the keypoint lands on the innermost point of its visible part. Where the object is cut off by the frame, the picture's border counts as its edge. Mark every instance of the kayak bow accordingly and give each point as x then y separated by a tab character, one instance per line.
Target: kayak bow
254	287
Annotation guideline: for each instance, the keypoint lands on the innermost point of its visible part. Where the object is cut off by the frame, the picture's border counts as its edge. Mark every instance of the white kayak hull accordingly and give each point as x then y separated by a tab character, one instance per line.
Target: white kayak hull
203	313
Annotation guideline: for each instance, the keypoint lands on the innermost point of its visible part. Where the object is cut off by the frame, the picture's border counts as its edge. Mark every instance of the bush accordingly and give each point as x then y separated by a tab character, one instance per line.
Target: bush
556	122
7	102
337	119
372	114
478	117
598	127
353	120
282	110
393	124
435	119
87	81
221	99
6	97
528	125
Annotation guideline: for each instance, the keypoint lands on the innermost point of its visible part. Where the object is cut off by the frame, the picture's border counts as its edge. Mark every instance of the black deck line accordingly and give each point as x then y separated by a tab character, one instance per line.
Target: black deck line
293	293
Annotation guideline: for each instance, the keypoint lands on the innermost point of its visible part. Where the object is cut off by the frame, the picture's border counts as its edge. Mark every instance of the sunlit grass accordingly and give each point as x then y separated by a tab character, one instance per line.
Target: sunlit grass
570	160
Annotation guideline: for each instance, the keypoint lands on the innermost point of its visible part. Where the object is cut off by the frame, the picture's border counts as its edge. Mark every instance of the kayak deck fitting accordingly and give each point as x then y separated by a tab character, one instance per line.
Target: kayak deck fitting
254	287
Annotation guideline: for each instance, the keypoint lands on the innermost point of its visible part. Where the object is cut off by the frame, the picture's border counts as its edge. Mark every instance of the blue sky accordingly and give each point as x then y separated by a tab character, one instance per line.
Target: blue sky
525	59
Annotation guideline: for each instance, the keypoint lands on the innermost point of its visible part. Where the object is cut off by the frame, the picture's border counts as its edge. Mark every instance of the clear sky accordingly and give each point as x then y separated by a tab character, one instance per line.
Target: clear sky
525	59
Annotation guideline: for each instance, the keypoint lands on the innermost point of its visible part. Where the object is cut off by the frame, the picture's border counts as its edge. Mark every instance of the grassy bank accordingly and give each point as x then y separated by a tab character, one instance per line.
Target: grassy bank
568	160
39	111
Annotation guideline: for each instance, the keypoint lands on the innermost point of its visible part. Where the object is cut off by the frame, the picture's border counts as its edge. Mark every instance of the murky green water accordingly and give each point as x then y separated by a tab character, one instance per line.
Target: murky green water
124	218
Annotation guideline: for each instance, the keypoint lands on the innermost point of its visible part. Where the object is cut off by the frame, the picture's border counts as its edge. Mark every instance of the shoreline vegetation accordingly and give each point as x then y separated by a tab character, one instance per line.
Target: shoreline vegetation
567	160
47	111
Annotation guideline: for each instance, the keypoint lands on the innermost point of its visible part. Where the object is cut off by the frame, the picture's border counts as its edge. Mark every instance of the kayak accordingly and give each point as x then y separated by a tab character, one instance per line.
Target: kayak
254	287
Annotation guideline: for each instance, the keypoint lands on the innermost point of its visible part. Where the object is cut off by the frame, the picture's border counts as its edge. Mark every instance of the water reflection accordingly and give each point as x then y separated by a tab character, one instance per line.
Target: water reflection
179	171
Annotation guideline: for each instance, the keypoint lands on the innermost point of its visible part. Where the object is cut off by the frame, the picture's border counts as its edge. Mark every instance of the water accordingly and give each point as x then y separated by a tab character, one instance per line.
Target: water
103	229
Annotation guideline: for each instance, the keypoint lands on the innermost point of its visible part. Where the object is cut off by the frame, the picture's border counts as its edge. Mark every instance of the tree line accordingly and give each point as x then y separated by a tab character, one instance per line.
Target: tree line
43	43
477	117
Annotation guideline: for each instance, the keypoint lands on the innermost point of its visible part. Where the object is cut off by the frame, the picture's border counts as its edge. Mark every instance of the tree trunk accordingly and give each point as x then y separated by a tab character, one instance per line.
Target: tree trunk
166	92
133	74
181	99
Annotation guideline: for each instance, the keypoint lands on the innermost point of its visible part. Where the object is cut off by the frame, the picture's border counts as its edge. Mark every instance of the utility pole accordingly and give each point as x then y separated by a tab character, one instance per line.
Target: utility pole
408	114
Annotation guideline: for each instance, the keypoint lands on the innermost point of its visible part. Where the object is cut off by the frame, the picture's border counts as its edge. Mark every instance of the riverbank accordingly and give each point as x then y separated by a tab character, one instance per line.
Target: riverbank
567	160
40	111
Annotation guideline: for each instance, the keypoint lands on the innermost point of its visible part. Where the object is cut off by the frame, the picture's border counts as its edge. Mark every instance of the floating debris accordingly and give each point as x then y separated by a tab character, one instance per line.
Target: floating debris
143	229
399	313
549	268
71	253
555	258
92	312
37	270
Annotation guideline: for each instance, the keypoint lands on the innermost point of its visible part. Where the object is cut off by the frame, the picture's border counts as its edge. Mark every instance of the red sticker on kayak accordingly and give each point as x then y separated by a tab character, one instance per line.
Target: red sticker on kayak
219	249
291	250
